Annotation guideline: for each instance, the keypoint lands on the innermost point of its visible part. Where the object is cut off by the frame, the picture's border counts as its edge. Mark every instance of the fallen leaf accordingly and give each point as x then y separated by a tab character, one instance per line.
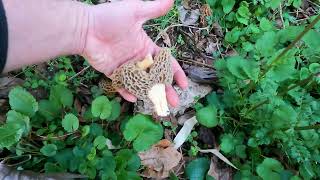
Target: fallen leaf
212	45
7	83
218	172
186	116
201	74
184	132
159	161
219	155
205	12
166	39
217	29
164	143
188	17
186	4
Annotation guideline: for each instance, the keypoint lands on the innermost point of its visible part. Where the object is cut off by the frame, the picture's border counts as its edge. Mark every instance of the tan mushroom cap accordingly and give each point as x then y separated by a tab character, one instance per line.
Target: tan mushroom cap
145	82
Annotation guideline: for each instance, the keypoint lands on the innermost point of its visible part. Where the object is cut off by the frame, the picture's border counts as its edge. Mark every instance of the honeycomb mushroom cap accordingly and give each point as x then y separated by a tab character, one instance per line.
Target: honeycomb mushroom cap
147	85
138	81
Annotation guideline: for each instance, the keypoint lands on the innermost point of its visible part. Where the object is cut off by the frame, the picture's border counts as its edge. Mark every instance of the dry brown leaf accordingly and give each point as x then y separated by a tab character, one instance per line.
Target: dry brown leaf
7	83
188	17
164	143
218	172
159	161
166	39
205	11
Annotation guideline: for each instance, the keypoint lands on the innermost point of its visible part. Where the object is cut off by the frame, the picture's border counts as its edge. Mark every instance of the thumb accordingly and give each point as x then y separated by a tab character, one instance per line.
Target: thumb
153	9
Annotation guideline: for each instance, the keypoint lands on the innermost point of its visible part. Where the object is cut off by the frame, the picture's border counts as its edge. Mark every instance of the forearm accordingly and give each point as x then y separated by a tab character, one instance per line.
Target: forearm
43	29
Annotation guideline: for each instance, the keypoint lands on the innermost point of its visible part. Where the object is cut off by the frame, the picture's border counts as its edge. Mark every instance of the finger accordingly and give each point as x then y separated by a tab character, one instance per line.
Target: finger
172	96
179	75
127	95
153	9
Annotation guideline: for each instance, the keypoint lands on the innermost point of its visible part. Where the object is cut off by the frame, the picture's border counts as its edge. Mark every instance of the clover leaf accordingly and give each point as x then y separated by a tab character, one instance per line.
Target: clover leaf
101	107
22	101
70	123
143	132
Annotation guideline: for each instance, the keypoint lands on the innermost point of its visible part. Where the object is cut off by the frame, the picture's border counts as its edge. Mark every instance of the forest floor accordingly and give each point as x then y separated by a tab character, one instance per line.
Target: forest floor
253	110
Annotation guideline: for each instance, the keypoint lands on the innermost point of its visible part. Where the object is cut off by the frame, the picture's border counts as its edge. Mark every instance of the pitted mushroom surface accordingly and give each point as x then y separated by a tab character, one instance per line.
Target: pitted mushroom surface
145	79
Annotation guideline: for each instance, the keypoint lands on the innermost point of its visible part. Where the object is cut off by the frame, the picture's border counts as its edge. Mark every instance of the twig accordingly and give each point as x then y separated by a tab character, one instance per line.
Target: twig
83	70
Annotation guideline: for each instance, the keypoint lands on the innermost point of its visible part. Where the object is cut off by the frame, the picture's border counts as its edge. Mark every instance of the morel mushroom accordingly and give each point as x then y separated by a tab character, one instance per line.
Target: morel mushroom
147	79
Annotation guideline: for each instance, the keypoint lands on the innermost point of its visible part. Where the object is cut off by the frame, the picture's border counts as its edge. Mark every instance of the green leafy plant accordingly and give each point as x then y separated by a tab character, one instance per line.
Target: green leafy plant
143	132
63	143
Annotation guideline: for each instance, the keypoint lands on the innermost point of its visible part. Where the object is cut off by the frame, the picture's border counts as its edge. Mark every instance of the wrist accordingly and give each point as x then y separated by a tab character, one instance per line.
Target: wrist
80	28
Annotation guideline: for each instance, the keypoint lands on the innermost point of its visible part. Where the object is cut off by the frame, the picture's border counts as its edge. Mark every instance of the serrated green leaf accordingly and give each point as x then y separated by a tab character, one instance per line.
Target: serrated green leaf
116	110
283	116
266	44
101	107
312	40
304	73
70	123
127	159
227	5
314	68
23	121
61	95
243	69
265	24
143	132
49	150
269	169
227	143
233	35
207	116
197	169
49	109
100	142
10	134
22	101
274	4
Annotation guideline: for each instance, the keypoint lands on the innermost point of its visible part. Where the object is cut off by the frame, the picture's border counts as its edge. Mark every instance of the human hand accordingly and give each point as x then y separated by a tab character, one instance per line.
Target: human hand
115	36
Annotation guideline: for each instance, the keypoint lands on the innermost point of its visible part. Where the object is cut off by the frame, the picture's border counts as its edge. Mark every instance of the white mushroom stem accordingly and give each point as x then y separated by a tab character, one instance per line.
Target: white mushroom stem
157	95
